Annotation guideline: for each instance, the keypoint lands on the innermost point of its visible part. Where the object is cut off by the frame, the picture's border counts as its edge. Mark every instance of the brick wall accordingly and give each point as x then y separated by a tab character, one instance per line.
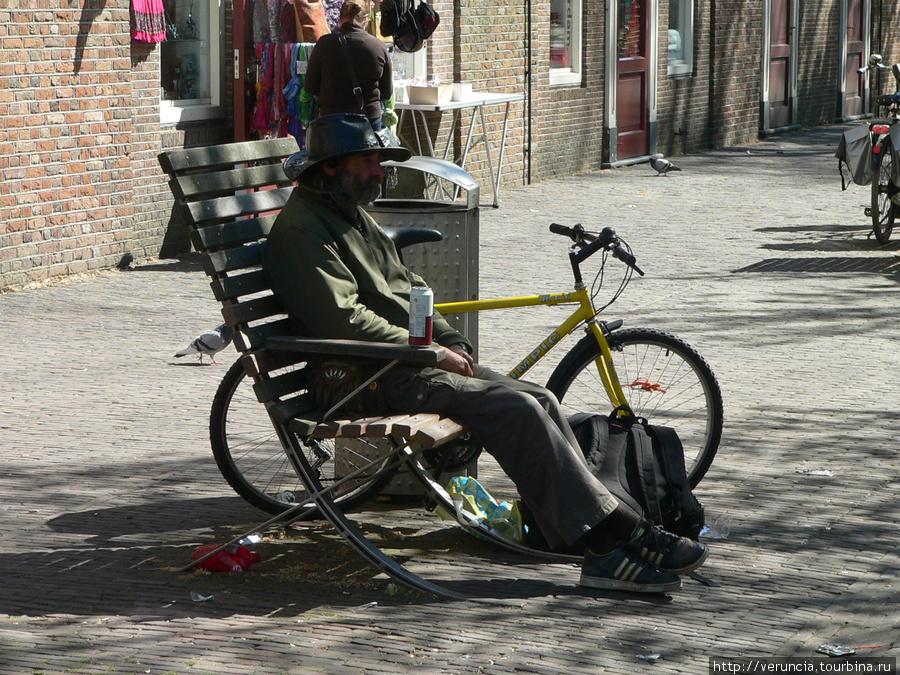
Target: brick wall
65	129
886	38
569	119
80	186
734	44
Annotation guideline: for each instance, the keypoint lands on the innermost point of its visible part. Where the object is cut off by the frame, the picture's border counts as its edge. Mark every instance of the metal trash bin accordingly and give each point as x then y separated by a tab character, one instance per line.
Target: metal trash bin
449	266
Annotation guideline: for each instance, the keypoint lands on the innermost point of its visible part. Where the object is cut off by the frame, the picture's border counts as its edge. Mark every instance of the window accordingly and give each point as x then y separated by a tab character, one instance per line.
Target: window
681	37
565	42
406	66
191	61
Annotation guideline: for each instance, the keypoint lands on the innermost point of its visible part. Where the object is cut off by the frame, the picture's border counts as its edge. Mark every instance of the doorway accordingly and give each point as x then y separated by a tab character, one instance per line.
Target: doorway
855	25
780	65
633	59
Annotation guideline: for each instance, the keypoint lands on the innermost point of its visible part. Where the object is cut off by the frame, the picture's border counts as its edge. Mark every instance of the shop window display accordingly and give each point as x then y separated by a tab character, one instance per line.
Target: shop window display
565	42
681	37
190	59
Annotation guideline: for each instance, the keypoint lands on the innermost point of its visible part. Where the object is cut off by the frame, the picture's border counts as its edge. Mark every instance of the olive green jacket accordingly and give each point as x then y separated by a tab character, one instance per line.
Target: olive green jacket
340	281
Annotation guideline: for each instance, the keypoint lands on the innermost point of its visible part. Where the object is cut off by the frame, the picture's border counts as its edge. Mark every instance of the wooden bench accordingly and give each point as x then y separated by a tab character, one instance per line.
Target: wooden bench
230	196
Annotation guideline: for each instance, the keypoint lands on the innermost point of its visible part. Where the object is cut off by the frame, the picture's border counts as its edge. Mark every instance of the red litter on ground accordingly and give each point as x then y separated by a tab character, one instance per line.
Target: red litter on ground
235	558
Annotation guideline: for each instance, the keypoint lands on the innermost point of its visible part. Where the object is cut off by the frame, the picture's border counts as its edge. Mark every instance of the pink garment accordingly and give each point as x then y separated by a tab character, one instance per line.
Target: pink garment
259	123
148	21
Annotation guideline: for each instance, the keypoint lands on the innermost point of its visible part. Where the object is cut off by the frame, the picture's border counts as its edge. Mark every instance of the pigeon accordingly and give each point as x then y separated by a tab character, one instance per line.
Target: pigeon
662	166
210	343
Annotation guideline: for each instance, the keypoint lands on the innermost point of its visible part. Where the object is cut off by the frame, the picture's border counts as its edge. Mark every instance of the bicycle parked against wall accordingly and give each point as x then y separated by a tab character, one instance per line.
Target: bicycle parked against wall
870	152
655	374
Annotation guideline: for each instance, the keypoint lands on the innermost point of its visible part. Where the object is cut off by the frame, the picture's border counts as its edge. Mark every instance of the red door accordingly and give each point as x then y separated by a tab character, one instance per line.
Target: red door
854	91
632	105
244	93
780	67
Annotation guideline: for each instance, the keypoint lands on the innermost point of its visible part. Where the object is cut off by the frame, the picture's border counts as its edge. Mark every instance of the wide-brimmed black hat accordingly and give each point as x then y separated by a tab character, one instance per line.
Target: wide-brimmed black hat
335	136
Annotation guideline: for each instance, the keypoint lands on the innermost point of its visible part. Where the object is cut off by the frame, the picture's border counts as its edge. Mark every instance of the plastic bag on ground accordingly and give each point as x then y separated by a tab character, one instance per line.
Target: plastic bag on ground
475	505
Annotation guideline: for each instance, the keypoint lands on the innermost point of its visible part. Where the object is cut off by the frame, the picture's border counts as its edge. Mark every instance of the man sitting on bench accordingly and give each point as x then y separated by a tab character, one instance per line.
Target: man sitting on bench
338	276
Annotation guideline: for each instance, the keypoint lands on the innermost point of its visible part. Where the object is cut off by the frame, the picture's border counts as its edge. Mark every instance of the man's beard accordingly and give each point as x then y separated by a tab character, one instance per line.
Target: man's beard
352	192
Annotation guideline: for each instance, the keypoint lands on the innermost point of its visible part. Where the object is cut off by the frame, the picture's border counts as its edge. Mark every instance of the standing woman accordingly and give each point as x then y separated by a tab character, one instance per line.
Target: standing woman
332	70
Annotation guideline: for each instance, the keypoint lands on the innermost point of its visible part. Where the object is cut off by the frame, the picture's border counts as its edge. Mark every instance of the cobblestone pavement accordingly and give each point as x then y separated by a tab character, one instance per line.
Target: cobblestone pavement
752	254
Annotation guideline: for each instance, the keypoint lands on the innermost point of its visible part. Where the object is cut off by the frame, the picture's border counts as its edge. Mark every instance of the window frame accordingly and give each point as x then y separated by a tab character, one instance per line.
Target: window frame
572	74
188	110
685	65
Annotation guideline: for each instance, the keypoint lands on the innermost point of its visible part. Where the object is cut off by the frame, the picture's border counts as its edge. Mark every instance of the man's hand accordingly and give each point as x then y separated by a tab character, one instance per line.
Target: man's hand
457	361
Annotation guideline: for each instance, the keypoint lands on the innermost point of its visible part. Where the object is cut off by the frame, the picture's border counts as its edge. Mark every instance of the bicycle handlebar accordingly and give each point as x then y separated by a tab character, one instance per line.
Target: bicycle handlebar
589	243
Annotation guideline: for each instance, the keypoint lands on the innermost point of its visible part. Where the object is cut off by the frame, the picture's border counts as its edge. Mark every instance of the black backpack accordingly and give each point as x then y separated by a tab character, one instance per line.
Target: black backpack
642	465
409	25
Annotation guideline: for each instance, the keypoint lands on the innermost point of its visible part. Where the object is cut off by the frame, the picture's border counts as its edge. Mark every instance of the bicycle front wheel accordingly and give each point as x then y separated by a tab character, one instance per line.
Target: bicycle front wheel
251	458
883	190
665	380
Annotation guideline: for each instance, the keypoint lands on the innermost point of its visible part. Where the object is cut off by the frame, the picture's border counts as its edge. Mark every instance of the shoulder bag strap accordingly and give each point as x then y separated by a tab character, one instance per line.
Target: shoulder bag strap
357	90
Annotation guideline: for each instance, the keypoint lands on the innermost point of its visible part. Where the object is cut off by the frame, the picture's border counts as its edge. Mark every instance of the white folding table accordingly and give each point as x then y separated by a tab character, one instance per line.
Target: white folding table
477	103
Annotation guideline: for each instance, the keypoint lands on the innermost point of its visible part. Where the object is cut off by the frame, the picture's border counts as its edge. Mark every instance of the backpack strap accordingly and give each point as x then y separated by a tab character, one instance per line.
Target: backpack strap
647	472
357	90
686	512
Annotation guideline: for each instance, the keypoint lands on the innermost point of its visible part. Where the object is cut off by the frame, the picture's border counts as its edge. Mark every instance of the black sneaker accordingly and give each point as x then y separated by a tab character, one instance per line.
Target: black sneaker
665	551
621	570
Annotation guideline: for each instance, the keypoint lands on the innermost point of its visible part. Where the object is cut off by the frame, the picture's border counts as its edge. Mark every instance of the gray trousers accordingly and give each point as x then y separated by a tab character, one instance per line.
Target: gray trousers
522	426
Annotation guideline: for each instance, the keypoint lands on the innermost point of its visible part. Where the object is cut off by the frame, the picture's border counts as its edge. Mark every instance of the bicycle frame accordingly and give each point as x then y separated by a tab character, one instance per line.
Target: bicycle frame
585	313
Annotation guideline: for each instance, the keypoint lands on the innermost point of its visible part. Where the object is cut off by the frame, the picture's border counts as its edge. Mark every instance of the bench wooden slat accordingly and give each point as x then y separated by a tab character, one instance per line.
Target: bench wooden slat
236	286
438	433
256	309
231	233
330	429
280	385
229	208
266	361
384	426
220	262
254	337
303	427
227	182
209	157
357	427
297	407
409	426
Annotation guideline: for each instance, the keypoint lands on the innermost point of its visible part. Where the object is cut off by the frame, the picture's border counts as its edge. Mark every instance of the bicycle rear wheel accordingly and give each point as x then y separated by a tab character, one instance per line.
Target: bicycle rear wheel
883	190
251	458
666	381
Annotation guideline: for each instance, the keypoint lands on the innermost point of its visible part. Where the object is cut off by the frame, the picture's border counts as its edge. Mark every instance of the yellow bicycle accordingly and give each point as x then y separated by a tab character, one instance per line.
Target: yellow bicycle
654	374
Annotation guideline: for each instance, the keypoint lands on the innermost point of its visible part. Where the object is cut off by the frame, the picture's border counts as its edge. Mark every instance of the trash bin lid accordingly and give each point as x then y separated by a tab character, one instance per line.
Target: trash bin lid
445	170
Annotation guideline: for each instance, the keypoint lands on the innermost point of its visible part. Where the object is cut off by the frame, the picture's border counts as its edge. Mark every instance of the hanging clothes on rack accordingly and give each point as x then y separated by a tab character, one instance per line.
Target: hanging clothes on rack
259	122
148	21
298	102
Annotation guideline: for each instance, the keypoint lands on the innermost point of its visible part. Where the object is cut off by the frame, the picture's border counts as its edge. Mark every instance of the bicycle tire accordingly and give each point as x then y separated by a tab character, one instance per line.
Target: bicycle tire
252	460
666	380
883	190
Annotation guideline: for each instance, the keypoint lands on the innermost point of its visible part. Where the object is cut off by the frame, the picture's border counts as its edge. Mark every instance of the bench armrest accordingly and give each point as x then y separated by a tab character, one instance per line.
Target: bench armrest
429	355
